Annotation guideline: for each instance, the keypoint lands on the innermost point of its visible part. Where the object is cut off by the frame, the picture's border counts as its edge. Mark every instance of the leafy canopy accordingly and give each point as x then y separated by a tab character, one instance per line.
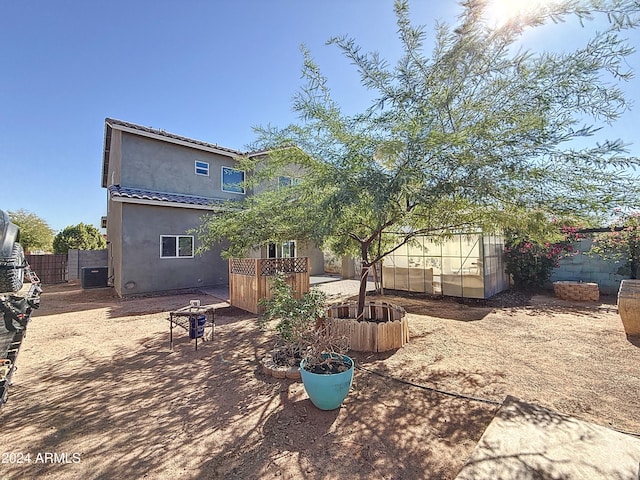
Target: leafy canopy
474	133
35	233
81	237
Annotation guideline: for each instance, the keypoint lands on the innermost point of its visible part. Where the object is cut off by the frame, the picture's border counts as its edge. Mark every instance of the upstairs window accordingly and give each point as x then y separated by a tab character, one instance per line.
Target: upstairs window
232	180
284	182
176	246
202	168
287	181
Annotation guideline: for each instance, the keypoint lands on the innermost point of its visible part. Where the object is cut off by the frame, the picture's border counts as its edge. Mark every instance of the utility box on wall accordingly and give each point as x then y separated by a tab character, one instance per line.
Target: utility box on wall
94	277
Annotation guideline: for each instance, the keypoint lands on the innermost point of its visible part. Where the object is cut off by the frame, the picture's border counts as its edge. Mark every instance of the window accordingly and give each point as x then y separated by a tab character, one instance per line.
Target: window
174	246
202	168
287	181
289	249
284	250
232	180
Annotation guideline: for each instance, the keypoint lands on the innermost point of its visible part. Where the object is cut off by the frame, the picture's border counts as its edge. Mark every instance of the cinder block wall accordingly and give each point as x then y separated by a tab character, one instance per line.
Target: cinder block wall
585	268
79	259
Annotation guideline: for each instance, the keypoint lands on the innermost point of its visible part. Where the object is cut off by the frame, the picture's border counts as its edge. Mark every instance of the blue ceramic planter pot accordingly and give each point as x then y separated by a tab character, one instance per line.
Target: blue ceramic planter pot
327	391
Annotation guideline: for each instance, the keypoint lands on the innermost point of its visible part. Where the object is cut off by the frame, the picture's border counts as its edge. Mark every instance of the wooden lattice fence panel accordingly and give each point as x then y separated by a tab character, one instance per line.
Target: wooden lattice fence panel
249	279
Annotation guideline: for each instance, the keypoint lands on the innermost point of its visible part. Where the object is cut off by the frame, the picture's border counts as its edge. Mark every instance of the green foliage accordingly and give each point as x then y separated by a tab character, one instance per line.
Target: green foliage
81	237
303	331
531	263
297	318
622	243
476	134
35	233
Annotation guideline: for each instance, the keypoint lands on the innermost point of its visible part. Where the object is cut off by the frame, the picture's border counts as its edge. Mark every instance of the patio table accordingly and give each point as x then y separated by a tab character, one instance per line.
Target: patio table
186	316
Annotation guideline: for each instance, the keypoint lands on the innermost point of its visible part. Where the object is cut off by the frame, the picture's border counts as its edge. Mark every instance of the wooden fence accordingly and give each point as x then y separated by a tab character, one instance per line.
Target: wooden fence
249	279
49	268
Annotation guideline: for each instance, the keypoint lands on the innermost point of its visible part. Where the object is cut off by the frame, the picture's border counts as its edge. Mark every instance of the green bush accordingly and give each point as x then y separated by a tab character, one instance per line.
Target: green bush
297	318
531	263
622	243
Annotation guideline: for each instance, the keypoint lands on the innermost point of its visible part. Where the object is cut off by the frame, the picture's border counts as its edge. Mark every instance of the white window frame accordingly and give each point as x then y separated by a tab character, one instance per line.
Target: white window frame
177	252
289	245
279	249
204	167
222	169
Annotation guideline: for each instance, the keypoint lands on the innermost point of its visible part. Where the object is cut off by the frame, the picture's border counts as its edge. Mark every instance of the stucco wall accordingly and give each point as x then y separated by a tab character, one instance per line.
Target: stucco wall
165	167
142	270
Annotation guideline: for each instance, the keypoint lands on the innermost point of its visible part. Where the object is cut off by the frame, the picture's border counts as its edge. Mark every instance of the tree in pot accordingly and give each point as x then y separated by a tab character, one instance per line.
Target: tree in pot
306	339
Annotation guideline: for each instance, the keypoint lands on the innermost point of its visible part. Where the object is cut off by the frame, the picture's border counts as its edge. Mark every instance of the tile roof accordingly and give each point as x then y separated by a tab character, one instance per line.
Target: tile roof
163	133
116	191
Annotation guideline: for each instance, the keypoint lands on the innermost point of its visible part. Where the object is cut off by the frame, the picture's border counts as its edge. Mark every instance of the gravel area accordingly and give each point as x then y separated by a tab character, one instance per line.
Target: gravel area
101	393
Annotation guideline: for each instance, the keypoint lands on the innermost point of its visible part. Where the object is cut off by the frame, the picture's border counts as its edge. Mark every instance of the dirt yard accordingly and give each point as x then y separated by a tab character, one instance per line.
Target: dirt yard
99	394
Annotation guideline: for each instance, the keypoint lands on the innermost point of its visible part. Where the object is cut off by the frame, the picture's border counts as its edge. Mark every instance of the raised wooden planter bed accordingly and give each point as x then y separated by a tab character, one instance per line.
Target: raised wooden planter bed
383	328
577	291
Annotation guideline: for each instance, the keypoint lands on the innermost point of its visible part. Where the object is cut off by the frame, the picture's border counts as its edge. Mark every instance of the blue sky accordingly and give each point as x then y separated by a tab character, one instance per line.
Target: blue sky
209	70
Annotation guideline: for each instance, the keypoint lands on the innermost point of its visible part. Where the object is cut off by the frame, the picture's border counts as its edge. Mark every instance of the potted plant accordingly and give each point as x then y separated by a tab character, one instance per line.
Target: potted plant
306	340
326	370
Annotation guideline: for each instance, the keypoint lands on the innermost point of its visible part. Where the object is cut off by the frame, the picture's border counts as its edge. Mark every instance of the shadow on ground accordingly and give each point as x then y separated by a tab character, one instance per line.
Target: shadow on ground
211	413
136	409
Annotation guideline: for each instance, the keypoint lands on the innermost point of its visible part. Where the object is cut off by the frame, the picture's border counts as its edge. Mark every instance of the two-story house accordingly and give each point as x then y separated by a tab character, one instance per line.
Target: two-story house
159	186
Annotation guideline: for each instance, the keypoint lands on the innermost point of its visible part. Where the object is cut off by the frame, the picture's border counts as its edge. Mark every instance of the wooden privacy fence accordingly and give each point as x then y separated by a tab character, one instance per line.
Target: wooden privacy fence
49	268
249	279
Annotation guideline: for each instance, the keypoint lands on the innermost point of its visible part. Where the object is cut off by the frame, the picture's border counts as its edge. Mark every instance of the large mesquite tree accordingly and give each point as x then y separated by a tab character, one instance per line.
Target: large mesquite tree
473	133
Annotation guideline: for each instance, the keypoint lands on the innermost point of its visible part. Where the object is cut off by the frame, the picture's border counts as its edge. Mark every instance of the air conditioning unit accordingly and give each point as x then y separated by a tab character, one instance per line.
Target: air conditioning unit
94	277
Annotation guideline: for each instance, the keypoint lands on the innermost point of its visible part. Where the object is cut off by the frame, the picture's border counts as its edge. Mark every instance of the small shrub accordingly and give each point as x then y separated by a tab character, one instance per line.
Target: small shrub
297	318
302	329
622	243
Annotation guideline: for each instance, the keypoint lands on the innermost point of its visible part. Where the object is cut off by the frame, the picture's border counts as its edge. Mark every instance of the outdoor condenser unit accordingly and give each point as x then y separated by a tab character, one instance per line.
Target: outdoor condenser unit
94	277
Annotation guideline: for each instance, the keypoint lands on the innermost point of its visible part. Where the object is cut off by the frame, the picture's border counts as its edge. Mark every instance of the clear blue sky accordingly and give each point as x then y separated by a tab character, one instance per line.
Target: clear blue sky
209	70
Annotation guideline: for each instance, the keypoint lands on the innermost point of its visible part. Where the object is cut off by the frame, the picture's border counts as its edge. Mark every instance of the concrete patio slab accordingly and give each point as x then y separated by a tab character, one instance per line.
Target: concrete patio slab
221	292
528	442
340	289
333	286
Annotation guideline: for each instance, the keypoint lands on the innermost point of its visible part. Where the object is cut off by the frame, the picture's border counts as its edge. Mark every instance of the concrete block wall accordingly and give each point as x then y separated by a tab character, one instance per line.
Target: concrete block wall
584	268
79	259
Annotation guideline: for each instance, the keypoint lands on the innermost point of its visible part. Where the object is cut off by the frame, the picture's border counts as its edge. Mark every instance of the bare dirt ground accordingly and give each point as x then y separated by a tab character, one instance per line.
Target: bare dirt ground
99	387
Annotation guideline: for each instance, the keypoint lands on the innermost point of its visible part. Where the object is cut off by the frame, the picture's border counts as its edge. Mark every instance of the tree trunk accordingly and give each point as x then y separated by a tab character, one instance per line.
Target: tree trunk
364	275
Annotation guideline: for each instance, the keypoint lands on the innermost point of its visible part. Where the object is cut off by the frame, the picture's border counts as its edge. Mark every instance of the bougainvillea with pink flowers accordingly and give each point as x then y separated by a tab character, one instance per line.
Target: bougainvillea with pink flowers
531	263
622	243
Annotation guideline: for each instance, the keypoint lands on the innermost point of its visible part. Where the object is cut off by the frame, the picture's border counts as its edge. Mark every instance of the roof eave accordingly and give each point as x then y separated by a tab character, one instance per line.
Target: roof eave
105	154
170	138
164	203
